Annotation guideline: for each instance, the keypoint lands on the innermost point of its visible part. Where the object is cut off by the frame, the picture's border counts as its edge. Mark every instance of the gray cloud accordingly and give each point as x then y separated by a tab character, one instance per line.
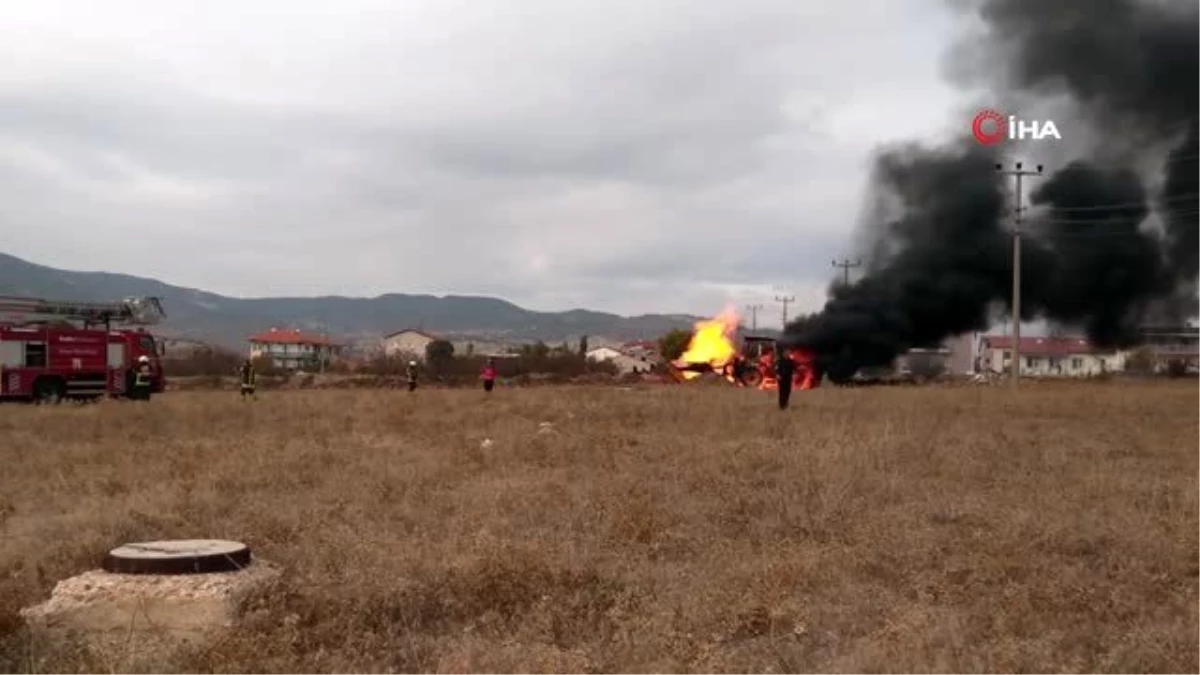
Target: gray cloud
630	156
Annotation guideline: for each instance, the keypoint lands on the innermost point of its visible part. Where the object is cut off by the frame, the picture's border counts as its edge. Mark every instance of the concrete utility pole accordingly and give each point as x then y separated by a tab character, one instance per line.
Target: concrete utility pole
1019	173
845	264
322	350
754	315
785	300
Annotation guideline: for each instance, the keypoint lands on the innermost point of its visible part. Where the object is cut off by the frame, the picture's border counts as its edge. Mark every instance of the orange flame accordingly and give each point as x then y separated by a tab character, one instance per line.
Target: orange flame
712	344
713	347
804	374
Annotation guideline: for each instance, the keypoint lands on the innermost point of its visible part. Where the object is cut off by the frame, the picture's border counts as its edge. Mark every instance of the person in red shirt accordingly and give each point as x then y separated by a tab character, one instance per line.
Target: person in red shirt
489	375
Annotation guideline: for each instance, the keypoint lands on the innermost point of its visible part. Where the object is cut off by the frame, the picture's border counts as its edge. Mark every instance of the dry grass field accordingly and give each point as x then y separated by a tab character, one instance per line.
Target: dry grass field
659	529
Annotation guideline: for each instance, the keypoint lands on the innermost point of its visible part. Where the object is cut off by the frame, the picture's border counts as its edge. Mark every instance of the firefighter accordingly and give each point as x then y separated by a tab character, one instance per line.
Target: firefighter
489	375
784	370
412	375
141	379
248	378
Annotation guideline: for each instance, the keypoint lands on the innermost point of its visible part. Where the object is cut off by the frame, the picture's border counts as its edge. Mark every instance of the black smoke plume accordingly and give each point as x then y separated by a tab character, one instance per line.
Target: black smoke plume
1100	250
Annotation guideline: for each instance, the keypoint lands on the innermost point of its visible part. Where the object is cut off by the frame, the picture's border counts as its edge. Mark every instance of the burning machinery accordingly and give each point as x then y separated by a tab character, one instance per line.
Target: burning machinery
715	347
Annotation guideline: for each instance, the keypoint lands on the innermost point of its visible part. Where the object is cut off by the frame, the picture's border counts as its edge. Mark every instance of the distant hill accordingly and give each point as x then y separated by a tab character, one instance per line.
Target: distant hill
219	319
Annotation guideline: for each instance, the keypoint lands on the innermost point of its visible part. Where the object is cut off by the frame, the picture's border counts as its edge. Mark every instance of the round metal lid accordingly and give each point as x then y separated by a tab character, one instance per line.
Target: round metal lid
182	556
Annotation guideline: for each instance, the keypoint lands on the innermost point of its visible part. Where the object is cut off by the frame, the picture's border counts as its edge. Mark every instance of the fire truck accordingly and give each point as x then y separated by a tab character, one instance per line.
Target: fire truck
52	350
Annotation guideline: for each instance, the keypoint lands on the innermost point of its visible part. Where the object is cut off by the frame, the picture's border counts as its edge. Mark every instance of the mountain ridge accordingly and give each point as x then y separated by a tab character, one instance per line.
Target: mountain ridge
197	314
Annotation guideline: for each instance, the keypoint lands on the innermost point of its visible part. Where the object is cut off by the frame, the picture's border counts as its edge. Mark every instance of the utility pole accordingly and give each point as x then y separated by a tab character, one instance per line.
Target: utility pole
322	350
845	264
1019	173
785	300
754	315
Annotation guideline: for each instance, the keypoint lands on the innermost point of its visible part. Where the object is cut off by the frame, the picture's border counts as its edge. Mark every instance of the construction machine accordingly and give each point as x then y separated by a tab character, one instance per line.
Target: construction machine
753	365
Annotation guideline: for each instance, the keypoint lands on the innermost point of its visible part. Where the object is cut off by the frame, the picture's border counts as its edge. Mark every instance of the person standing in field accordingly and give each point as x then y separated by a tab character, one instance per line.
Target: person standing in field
412	375
489	375
142	383
248	379
784	371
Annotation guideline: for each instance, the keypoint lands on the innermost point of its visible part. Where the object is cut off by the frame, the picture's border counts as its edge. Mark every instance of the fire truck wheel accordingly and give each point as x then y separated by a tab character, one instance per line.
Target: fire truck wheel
48	390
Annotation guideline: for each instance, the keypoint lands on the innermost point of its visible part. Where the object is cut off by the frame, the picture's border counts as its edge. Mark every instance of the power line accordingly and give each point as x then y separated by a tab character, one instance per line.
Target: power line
845	264
785	300
1111	233
1018	173
1128	220
1131	205
1102	226
754	315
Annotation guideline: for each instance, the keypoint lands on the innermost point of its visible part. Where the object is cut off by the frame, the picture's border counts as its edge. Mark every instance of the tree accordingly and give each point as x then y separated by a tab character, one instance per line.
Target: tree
583	346
672	345
538	350
439	351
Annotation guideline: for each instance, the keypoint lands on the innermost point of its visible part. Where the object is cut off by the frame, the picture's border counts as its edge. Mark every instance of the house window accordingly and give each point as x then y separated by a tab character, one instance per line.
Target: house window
1076	363
1031	362
1007	355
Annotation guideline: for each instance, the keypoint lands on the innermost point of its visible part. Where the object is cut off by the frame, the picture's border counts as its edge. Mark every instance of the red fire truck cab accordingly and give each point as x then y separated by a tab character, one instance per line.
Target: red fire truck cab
52	350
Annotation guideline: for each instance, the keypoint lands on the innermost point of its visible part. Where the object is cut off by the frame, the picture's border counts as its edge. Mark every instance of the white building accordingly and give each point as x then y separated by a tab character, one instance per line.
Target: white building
603	353
626	363
924	362
647	349
1167	345
293	349
1048	356
407	342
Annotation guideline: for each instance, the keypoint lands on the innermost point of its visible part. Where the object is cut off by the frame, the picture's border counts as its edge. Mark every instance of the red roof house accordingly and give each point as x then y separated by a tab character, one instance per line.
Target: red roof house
639	347
293	348
1042	346
291	336
1049	356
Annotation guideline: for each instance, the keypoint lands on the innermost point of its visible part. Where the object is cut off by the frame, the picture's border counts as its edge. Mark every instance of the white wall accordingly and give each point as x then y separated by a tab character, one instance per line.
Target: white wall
627	364
602	353
292	355
1072	365
406	342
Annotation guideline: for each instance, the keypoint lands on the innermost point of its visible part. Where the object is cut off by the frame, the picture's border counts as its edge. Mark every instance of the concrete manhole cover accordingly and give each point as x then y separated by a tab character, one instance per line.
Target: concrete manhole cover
182	556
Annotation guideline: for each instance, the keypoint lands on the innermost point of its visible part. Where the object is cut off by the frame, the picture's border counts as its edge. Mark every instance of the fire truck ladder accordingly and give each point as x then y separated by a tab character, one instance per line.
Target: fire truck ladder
17	311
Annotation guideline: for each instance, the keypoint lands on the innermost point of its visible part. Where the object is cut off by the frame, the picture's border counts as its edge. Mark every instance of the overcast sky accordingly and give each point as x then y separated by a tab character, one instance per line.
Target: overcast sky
624	155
